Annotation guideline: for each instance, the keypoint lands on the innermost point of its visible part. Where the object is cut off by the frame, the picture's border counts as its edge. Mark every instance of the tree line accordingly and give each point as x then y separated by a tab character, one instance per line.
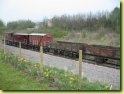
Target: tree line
21	24
90	22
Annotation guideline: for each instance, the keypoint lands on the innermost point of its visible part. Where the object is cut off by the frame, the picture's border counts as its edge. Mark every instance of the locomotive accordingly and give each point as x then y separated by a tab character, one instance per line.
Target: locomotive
34	40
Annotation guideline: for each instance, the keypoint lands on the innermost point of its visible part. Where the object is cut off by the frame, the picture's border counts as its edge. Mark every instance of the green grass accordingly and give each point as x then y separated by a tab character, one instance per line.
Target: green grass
11	79
55	32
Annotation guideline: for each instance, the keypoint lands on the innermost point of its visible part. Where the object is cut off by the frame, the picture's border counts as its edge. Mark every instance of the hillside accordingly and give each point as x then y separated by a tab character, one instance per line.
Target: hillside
94	37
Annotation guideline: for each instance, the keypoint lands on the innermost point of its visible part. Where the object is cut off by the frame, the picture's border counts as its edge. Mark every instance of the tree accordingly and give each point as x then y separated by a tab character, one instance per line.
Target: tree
2	27
115	19
21	24
90	21
1	24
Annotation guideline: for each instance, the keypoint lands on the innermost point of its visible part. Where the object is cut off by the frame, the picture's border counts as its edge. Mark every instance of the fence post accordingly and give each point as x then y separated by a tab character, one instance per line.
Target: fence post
20	49
80	68
80	63
4	44
41	55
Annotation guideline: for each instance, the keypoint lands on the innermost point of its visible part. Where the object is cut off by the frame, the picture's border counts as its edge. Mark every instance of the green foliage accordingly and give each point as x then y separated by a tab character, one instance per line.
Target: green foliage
1	24
56	32
115	19
2	27
21	24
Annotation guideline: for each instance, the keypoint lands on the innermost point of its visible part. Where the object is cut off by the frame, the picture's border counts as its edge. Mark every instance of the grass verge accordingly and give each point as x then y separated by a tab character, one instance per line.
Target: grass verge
11	79
17	73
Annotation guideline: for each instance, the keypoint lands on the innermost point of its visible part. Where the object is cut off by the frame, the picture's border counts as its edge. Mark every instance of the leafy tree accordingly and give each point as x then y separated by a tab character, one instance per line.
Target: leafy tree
21	24
1	24
90	21
2	27
115	19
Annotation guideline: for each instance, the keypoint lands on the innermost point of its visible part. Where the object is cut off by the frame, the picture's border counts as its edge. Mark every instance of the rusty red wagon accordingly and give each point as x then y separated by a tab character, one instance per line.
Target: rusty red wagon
40	39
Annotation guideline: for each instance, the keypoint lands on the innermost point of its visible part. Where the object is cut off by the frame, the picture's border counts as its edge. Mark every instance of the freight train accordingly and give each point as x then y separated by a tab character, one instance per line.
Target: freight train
34	40
28	41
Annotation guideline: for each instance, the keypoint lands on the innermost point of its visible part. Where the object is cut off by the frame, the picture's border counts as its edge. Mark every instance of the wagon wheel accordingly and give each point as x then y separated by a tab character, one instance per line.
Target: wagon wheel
99	59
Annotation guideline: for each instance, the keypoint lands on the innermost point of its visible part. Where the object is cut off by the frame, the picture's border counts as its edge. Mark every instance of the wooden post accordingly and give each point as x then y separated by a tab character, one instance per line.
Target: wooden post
41	55
4	44
20	49
80	69
80	63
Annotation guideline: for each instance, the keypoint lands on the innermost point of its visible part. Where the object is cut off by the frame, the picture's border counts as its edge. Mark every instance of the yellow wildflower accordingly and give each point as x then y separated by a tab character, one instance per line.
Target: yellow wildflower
106	87
25	60
36	66
47	75
71	78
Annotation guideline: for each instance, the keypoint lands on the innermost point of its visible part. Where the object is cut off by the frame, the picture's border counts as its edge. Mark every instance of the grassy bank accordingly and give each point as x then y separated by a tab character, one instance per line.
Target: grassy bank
20	72
99	37
11	79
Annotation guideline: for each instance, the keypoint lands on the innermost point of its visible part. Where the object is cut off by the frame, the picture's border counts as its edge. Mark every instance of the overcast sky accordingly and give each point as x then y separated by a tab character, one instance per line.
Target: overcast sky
36	10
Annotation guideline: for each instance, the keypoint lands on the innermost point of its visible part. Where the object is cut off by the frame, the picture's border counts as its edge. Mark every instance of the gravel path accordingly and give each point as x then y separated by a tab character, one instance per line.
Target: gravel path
92	72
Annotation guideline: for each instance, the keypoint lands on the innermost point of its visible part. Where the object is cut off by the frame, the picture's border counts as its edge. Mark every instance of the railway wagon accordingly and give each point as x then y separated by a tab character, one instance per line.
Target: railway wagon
103	51
15	38
9	36
100	53
69	48
21	37
65	48
39	39
29	41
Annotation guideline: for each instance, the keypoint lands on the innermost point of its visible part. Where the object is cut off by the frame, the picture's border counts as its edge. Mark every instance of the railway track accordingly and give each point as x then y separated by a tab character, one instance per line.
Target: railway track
111	65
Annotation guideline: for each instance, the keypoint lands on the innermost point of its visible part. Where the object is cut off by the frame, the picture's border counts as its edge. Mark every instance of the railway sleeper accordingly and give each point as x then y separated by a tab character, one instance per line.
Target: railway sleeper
38	48
46	49
51	50
75	55
61	52
55	52
66	53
